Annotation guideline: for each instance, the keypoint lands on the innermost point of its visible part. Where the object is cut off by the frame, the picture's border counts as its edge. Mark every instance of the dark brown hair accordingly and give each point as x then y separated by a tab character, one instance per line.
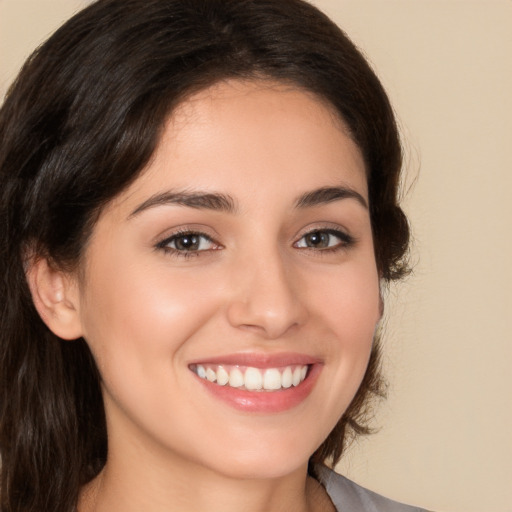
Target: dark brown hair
78	126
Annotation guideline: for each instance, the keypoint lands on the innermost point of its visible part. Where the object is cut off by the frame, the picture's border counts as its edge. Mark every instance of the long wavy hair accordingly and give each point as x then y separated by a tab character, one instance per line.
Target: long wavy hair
78	125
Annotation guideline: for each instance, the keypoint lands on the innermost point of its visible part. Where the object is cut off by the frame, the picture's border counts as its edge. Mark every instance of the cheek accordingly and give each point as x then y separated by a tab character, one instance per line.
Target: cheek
348	306
137	322
135	316
348	299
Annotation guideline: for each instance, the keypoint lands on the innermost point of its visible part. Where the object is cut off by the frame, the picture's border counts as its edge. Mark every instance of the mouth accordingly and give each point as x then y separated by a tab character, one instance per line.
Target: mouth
249	378
259	383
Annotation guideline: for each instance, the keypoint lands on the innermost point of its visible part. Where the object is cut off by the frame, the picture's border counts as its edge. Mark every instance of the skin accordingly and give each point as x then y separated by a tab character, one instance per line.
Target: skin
254	286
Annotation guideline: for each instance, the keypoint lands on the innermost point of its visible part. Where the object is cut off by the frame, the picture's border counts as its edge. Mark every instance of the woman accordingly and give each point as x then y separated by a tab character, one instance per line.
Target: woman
199	206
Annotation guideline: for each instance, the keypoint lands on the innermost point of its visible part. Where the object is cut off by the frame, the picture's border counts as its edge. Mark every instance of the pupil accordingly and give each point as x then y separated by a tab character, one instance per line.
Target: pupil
317	239
187	242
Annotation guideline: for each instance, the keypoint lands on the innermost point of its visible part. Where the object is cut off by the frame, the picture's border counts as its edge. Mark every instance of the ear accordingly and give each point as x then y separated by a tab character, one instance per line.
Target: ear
56	298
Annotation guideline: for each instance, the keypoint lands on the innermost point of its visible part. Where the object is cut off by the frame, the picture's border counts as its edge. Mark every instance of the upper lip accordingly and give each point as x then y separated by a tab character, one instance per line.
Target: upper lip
260	360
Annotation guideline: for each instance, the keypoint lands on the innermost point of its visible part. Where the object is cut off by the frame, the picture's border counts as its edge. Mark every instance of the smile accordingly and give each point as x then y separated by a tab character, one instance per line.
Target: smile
258	383
252	379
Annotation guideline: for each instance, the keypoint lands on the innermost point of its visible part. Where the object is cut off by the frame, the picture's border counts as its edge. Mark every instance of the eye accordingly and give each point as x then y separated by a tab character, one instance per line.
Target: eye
323	239
187	243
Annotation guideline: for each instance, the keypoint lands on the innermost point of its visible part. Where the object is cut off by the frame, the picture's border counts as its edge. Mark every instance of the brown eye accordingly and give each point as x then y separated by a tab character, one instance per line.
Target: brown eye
187	243
324	239
317	239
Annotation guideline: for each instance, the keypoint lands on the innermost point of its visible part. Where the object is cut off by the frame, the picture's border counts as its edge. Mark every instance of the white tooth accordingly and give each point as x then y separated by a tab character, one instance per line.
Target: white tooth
296	376
271	379
236	379
211	375
253	379
303	373
286	379
222	376
201	372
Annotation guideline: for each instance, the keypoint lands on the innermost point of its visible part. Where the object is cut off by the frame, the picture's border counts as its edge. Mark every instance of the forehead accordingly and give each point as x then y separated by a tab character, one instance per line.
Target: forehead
248	136
227	94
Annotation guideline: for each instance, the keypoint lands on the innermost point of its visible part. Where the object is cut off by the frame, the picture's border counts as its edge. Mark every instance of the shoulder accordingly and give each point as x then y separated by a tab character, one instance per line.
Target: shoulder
350	497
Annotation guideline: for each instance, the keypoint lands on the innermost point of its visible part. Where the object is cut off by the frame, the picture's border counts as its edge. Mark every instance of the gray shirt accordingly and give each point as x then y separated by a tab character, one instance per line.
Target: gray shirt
347	496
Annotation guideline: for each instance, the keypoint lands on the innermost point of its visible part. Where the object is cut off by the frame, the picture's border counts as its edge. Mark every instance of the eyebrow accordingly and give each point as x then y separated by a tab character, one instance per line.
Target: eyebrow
225	203
327	195
199	200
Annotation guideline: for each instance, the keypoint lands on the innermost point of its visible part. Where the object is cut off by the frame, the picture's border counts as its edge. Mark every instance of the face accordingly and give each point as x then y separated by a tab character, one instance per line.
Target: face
230	295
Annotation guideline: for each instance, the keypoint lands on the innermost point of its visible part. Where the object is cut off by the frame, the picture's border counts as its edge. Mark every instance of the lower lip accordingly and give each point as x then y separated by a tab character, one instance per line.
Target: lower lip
264	401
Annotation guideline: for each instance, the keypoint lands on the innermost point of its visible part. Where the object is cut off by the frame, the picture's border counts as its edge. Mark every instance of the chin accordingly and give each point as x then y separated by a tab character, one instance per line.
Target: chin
260	459
258	467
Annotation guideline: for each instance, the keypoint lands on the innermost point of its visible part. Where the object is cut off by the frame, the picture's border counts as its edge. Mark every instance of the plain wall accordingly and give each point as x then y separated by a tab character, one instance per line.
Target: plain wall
445	440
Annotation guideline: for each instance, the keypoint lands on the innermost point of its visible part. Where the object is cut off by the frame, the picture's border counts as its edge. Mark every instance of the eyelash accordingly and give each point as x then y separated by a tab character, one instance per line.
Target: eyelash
183	253
345	241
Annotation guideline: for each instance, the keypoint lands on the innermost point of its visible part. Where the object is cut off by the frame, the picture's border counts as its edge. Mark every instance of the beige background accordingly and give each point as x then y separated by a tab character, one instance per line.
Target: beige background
446	436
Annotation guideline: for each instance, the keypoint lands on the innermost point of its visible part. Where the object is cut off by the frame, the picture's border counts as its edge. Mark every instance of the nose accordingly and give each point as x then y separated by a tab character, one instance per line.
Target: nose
267	297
